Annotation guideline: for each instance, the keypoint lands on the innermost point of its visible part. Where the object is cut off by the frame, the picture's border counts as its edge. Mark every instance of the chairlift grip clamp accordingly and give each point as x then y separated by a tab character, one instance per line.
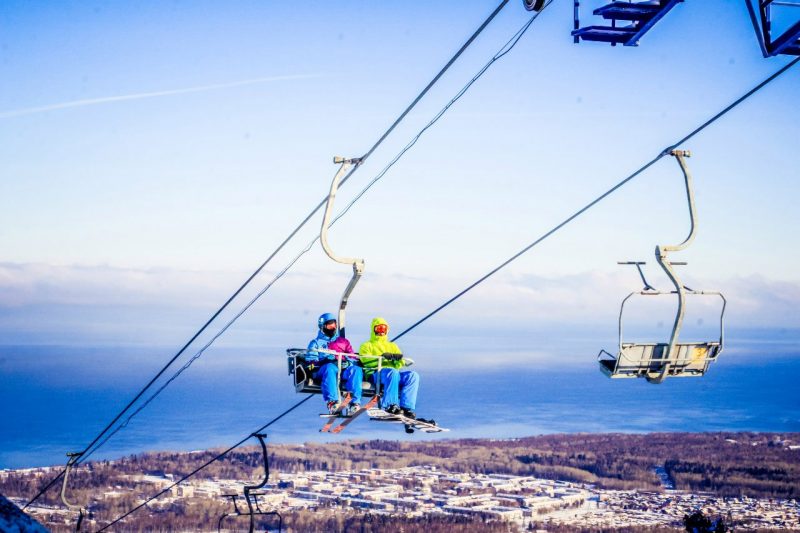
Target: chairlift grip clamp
338	160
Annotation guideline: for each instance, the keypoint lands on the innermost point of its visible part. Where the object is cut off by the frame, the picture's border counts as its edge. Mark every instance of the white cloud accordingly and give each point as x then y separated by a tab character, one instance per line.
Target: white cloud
508	302
37	284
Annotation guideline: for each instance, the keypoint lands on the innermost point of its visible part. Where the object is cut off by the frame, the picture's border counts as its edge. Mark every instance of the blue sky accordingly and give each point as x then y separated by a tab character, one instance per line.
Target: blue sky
152	155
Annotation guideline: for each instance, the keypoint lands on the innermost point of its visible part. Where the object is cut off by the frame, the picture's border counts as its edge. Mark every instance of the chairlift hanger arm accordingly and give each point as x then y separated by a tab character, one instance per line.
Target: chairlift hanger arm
73	458
661	257
358	264
248	488
345	164
680	155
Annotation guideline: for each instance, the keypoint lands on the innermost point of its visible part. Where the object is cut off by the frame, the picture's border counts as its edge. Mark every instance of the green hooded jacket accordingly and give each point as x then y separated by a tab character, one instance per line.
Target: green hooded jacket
379	345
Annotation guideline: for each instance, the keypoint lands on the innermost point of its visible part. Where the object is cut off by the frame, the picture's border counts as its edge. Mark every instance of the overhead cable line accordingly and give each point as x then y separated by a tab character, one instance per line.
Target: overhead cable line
597	200
195	357
363	158
556	228
207	463
506	48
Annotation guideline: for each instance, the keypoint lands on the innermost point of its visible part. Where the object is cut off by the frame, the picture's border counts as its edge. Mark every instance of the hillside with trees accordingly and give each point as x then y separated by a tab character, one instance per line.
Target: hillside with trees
756	465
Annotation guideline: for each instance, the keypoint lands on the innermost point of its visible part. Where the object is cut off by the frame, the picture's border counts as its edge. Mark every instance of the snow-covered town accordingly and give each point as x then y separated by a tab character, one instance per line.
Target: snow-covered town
424	490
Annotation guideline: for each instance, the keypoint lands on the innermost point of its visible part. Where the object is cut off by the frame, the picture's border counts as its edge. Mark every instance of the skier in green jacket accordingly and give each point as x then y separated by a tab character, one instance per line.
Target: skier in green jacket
399	389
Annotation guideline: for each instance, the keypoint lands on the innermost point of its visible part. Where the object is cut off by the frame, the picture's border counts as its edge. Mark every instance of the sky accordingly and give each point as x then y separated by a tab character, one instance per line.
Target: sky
152	155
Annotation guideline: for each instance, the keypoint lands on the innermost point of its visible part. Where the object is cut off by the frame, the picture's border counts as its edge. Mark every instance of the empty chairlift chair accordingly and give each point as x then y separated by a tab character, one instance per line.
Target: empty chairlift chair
251	494
655	361
630	21
768	18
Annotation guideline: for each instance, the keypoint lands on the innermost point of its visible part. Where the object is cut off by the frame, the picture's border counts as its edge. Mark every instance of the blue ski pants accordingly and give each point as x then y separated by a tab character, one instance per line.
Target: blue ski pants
352	376
398	388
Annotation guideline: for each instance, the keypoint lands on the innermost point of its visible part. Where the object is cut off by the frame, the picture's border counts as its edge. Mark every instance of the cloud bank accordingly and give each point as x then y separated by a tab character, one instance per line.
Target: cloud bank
52	303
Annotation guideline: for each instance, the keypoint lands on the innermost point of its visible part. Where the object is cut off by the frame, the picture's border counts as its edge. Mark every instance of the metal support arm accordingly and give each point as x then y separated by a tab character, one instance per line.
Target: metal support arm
661	257
358	264
73	458
248	488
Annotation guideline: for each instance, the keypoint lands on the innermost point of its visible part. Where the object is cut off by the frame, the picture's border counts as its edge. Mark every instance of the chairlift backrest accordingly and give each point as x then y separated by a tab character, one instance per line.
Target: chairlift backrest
303	378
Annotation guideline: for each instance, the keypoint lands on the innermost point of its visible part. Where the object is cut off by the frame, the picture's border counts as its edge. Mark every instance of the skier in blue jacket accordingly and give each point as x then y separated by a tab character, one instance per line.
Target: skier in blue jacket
325	367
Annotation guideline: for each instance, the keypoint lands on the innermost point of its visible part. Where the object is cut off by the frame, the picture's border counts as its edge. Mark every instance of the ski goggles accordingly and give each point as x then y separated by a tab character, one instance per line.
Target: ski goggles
330	324
381	329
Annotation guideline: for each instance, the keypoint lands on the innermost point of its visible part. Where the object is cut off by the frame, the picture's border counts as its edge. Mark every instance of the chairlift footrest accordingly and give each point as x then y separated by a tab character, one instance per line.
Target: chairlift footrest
605	34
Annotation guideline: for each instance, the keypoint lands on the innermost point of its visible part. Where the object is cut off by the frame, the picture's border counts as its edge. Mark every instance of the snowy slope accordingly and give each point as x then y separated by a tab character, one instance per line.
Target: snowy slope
13	520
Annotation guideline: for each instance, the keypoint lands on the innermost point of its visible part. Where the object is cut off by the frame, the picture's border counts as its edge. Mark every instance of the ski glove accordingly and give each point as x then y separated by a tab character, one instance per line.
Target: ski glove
393	356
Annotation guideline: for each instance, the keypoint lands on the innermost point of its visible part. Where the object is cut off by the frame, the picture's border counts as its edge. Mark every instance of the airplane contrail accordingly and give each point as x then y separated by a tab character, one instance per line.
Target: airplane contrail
139	96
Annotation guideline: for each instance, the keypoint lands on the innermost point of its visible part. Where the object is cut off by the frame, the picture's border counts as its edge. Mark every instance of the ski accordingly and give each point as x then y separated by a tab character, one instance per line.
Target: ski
411	424
339	413
346	422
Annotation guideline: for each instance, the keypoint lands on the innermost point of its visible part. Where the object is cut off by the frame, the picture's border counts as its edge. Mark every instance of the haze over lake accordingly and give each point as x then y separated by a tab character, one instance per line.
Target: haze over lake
56	399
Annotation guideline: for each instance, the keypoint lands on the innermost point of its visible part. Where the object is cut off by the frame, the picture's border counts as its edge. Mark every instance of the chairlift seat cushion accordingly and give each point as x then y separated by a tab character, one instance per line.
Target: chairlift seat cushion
605	34
643	359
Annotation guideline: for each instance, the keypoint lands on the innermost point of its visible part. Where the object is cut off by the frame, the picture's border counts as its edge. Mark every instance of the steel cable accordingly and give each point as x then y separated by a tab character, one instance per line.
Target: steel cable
507	47
499	267
280	247
204	465
597	200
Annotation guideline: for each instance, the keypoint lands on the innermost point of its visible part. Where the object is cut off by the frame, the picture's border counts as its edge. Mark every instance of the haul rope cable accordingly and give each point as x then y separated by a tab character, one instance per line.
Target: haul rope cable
207	463
517	255
597	200
280	247
506	48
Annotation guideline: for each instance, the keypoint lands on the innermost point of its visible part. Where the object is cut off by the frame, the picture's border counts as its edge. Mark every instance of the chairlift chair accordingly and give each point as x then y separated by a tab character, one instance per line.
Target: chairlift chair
251	494
762	16
655	361
638	17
